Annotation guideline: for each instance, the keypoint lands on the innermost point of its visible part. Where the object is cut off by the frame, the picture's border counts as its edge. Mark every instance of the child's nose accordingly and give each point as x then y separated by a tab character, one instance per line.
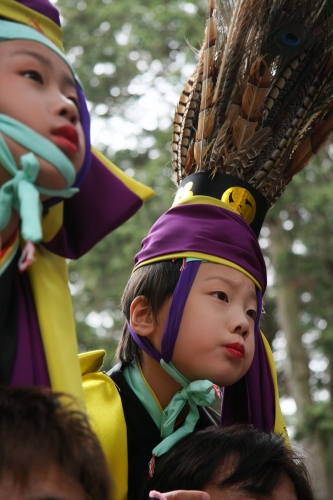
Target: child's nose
239	324
68	109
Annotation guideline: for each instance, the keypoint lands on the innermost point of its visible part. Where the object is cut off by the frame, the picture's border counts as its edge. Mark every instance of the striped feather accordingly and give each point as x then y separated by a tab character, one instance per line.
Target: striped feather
260	102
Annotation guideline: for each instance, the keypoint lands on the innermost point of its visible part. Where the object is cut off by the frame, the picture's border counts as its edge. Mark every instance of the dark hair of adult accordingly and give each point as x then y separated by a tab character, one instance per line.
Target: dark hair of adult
240	457
157	283
40	429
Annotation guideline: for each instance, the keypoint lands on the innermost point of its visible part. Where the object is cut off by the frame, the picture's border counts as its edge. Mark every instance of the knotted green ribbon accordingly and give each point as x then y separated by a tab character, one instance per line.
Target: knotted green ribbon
197	393
20	192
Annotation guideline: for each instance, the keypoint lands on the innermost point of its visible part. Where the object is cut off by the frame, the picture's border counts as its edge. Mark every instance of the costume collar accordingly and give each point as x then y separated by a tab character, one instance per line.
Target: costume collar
139	385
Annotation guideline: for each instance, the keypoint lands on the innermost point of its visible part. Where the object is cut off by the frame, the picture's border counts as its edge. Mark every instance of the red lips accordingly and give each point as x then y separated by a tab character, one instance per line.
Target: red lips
66	138
236	350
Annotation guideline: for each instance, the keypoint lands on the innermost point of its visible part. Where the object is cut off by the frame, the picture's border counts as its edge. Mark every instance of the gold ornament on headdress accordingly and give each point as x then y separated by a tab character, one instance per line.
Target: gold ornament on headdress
242	200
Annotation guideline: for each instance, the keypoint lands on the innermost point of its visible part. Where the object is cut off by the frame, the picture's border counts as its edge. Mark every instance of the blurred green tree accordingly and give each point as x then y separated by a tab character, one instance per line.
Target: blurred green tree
300	230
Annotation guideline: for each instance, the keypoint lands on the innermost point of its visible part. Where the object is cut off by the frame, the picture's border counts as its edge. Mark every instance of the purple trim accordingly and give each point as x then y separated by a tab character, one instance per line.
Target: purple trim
43	7
30	366
175	315
85	122
103	203
144	344
206	229
260	390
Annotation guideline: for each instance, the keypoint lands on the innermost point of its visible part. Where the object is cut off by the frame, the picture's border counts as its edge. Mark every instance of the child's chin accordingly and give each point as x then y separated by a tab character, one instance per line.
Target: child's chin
49	177
225	381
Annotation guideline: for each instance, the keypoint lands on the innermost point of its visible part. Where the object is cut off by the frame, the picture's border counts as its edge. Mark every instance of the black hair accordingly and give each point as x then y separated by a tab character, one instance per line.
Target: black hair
241	457
157	283
40	429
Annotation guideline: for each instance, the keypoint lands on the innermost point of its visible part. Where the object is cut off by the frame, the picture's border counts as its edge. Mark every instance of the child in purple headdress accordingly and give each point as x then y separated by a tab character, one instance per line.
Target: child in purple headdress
58	197
192	307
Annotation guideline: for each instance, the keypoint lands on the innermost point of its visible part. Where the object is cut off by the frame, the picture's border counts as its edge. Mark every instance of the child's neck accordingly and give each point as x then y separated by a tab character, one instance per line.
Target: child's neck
163	386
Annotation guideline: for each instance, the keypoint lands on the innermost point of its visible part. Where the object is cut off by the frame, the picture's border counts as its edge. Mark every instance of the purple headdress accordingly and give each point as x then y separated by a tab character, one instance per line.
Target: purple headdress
204	228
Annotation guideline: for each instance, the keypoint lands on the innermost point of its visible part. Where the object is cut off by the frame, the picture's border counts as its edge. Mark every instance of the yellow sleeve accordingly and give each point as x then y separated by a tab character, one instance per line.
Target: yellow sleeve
48	277
107	419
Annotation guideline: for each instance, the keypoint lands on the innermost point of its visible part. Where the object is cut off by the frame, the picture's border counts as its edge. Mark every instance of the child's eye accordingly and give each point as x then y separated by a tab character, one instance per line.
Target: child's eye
33	75
221	296
252	313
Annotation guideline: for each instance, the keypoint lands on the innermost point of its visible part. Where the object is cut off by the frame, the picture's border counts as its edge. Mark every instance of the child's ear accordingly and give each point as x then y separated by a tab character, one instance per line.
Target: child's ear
141	317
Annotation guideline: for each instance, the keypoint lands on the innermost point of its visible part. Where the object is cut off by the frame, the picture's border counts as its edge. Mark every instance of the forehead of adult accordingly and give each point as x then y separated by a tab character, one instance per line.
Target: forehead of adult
51	483
285	490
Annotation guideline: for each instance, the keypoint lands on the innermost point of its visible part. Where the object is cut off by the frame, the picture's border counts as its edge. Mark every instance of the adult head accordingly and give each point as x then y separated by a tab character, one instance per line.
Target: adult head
235	463
48	449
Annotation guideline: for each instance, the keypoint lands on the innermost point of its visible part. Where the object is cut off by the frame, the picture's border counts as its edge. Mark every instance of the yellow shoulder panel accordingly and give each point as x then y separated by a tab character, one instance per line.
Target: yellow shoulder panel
106	415
52	221
48	277
91	361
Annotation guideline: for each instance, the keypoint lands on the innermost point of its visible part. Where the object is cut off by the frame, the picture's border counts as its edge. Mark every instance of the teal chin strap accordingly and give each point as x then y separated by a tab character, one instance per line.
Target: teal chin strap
20	192
197	393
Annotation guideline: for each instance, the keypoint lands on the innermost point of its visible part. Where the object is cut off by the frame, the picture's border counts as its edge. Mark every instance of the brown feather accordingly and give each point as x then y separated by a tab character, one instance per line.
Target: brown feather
260	103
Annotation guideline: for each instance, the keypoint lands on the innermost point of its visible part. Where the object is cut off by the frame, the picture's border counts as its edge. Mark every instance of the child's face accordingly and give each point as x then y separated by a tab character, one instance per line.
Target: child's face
216	334
37	88
49	483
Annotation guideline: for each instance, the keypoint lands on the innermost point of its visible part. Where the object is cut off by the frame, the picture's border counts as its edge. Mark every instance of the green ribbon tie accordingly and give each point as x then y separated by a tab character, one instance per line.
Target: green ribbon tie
20	192
197	393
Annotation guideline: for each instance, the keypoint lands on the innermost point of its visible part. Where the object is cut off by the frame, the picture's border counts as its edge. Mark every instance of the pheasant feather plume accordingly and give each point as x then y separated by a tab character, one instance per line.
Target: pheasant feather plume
259	104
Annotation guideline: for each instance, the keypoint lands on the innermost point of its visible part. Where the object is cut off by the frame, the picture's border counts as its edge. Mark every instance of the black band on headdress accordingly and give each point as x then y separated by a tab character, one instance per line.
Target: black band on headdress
240	195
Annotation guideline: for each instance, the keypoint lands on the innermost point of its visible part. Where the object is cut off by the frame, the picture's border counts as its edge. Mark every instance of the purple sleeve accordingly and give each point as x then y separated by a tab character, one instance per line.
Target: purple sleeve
103	204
